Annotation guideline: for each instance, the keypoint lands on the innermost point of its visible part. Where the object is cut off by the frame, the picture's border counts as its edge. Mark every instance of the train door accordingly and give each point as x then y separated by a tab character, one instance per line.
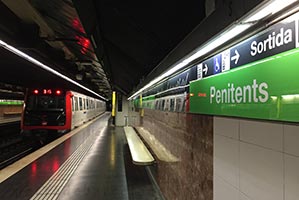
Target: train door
81	110
75	108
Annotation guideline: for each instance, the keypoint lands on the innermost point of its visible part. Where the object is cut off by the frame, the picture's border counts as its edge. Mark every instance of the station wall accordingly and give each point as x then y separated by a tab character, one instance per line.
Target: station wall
10	109
255	160
224	158
122	106
189	137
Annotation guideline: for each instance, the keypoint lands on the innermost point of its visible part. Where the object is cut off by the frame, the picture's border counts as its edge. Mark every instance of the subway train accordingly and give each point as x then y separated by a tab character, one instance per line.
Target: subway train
57	110
174	103
172	95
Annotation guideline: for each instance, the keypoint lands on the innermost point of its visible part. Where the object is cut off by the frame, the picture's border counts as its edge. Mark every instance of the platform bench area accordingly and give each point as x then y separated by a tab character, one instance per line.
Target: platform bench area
140	154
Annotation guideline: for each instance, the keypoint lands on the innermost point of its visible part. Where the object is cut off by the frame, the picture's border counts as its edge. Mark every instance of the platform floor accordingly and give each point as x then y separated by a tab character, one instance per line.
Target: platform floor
94	163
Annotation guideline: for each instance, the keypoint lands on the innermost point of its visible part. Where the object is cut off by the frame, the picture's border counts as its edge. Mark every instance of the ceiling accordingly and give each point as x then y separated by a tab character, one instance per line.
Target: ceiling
104	45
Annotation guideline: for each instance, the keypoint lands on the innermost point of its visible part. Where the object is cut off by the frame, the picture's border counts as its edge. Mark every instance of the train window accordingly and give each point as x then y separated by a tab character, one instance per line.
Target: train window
171	104
87	104
178	105
166	108
80	104
45	102
184	105
76	103
73	108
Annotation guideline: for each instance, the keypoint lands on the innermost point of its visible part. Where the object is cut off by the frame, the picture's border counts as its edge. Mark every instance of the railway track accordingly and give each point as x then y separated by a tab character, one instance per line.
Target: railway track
14	146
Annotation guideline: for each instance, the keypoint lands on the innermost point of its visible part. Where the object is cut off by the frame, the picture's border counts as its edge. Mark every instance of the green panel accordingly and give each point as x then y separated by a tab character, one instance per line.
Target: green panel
10	103
136	102
266	89
148	98
148	102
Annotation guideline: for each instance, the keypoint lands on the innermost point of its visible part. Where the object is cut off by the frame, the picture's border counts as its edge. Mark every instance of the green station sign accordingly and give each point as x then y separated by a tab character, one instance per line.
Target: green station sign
263	88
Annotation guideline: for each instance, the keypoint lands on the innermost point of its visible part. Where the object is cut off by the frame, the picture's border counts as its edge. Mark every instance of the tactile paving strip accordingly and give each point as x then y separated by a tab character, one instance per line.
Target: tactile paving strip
52	188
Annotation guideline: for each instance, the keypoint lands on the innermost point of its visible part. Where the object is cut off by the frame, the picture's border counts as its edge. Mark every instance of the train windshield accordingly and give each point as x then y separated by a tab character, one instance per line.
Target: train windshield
45	102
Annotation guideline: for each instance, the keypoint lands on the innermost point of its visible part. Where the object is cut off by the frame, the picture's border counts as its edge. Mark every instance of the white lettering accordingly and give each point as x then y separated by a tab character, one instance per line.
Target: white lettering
212	93
218	96
279	38
239	94
254	86
248	89
273	40
256	92
264	94
253	48
288	36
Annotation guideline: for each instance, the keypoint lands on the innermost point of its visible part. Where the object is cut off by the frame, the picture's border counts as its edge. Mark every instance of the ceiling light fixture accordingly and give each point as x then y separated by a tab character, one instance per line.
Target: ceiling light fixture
45	67
269	8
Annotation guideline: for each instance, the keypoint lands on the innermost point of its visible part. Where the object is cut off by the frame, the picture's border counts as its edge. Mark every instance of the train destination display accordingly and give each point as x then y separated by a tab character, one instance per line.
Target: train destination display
256	78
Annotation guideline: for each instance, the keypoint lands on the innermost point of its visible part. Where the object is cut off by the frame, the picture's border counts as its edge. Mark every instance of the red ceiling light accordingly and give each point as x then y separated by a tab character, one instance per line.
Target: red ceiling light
84	43
77	25
35	91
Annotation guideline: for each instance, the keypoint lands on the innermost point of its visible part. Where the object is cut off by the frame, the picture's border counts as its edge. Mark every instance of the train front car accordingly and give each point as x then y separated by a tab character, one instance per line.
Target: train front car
46	110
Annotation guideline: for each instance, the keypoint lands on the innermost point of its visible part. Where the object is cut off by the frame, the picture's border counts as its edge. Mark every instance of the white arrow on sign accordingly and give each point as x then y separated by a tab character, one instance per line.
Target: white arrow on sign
205	69
236	57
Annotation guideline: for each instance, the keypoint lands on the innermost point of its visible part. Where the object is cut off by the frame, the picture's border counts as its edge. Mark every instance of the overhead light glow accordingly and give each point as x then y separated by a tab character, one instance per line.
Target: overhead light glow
269	8
45	67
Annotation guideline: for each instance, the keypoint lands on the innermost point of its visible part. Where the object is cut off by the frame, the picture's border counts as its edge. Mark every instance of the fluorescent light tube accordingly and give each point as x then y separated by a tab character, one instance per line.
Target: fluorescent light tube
45	67
271	7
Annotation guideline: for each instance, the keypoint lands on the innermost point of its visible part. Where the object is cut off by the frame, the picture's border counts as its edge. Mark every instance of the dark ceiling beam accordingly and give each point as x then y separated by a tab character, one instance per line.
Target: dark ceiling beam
125	69
87	13
90	20
9	25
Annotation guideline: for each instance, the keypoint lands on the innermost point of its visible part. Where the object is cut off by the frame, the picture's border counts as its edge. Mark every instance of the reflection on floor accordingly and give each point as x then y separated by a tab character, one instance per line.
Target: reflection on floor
106	172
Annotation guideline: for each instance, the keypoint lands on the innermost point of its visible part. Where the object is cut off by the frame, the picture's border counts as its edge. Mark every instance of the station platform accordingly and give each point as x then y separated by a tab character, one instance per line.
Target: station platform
90	162
6	120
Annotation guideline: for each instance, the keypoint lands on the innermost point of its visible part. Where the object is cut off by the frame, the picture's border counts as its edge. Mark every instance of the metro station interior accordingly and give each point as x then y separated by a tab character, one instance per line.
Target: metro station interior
157	100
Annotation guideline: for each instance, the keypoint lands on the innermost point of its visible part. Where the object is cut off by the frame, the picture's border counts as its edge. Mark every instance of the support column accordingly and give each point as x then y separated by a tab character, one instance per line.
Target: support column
113	107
